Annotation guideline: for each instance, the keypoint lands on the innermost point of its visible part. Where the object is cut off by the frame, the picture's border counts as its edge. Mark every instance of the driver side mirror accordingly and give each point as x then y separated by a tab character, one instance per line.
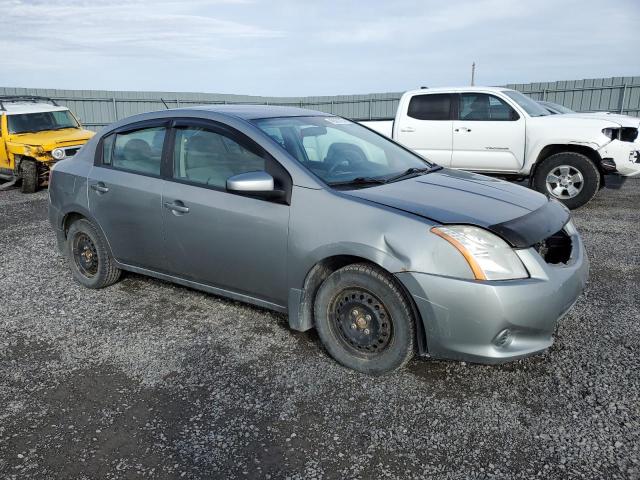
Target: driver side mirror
254	184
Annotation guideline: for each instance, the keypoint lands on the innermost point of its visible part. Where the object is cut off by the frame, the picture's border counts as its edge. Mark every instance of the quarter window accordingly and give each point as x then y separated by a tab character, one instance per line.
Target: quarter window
434	106
139	151
483	107
210	158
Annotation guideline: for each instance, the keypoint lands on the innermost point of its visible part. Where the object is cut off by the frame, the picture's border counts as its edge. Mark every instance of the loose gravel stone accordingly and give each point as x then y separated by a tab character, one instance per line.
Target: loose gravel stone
147	379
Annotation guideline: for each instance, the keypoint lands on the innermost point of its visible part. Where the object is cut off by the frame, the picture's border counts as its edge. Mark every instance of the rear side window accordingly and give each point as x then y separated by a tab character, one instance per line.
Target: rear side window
210	158
483	107
139	151
435	106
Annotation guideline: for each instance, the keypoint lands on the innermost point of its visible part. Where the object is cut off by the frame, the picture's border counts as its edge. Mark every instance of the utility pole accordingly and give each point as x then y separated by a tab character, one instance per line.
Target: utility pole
473	73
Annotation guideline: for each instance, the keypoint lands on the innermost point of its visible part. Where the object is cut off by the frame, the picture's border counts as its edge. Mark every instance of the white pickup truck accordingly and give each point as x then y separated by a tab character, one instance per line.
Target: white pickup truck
502	132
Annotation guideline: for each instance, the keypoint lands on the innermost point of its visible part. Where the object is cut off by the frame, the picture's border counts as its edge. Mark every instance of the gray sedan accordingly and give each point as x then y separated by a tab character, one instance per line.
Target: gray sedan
381	251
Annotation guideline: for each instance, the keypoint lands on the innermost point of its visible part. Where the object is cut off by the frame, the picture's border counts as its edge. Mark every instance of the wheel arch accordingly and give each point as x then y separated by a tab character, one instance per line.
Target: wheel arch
73	215
301	301
552	149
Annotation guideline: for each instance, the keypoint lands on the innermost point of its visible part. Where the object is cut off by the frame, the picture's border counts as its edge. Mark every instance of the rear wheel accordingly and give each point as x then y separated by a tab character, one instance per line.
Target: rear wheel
569	177
364	320
88	256
29	174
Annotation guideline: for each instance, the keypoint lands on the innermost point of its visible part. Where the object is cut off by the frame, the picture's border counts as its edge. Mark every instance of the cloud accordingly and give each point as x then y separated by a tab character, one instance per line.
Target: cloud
122	29
298	47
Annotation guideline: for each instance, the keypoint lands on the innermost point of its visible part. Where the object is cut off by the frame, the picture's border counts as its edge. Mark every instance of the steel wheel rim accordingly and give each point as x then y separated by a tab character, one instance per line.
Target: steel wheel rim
85	255
564	182
361	322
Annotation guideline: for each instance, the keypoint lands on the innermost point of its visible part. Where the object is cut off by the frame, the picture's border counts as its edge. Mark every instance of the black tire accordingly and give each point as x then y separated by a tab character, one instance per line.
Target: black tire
584	165
88	256
29	175
380	305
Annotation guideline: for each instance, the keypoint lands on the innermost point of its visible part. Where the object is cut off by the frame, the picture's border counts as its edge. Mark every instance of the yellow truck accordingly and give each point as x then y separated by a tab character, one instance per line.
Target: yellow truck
35	132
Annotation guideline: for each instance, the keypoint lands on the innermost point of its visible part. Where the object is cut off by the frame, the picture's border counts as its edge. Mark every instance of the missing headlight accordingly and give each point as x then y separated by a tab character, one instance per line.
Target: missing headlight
556	248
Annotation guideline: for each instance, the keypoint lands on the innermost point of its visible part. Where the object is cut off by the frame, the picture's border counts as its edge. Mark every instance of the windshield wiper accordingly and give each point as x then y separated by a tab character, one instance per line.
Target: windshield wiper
413	172
359	181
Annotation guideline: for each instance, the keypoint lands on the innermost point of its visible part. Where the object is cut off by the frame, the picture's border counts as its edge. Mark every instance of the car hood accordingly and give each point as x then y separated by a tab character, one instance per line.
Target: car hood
519	215
622	120
50	139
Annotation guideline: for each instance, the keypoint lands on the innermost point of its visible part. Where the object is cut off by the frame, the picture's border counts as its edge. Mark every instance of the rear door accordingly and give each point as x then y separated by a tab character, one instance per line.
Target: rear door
225	240
425	126
489	135
125	188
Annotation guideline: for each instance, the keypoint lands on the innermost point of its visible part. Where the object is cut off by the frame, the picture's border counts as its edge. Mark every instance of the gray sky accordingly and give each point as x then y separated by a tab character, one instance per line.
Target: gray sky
304	47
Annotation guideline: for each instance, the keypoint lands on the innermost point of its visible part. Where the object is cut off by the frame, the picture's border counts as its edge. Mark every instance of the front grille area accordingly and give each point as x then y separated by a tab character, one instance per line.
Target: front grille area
70	152
556	248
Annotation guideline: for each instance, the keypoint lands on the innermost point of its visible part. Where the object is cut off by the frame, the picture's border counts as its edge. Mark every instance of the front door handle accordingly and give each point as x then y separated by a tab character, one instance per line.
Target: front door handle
408	129
462	129
177	207
100	187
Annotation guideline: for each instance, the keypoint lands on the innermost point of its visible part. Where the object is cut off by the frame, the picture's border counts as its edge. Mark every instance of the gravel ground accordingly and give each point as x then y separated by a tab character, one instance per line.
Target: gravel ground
150	380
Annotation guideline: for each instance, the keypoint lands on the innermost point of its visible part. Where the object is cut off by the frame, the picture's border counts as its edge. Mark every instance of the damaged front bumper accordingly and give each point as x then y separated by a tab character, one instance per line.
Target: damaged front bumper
621	157
498	321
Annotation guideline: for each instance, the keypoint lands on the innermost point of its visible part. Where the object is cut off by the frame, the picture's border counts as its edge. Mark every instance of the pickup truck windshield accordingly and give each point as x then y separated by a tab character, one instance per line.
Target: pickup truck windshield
340	152
41	121
533	108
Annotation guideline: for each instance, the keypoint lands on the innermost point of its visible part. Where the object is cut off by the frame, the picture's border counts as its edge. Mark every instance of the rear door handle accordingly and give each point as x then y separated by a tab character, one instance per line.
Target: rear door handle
462	129
100	187
177	207
408	129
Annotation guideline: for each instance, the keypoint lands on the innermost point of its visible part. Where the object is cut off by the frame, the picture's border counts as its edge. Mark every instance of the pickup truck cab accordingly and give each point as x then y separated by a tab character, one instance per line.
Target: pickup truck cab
498	131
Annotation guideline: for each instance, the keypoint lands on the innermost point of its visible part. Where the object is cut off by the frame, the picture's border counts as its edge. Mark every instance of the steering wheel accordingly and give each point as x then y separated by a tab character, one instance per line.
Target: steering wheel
346	159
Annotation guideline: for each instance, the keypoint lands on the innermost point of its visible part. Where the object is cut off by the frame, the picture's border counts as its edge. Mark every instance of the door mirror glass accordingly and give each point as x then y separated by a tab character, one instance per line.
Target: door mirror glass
259	184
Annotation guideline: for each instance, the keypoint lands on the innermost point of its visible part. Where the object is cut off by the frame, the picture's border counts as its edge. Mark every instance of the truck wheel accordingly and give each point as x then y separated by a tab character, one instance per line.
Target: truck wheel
364	320
88	256
569	177
29	174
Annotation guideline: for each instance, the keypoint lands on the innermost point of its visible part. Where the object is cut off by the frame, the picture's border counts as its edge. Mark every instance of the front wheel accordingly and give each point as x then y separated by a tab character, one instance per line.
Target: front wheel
364	320
569	177
29	174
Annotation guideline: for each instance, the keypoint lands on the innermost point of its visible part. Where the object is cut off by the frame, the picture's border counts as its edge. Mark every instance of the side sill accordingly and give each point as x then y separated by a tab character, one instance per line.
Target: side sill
204	287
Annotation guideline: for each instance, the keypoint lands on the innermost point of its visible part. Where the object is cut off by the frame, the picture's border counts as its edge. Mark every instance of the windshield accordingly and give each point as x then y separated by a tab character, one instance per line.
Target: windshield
40	121
556	108
533	108
340	151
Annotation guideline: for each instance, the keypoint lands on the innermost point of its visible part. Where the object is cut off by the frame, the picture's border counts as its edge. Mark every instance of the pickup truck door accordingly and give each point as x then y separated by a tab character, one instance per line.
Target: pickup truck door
489	135
425	126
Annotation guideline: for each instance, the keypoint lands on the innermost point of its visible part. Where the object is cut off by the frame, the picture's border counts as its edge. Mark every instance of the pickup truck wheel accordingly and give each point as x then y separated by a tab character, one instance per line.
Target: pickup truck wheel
569	177
364	320
29	174
88	256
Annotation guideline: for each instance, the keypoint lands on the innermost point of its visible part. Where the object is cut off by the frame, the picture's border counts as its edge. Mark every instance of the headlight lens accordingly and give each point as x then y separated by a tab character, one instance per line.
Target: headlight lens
488	256
57	153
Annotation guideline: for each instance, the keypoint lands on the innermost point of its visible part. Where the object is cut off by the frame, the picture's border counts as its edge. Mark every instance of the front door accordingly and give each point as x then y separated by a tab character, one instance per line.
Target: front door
228	241
489	135
426	127
124	189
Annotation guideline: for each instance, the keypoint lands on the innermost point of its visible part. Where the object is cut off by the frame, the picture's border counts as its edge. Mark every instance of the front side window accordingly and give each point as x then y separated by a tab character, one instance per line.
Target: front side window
41	121
210	158
338	150
483	107
139	151
434	106
529	105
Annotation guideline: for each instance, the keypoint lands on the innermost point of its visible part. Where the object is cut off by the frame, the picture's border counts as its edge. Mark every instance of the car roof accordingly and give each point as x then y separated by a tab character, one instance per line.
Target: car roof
253	112
16	108
459	89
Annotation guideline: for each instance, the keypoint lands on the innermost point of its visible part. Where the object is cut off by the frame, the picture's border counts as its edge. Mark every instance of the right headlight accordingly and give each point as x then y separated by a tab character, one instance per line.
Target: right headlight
488	256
